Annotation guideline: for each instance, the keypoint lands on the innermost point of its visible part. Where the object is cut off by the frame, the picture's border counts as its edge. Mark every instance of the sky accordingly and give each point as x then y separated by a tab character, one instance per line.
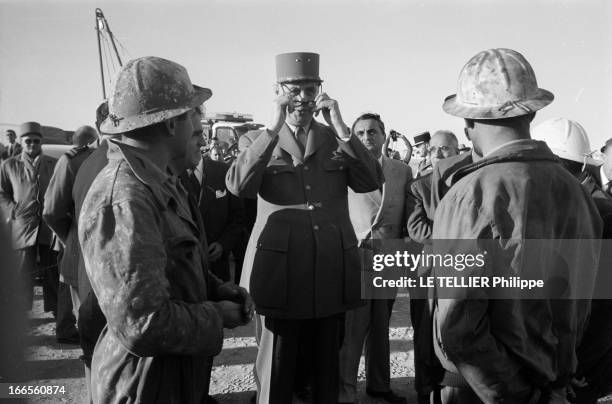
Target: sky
397	58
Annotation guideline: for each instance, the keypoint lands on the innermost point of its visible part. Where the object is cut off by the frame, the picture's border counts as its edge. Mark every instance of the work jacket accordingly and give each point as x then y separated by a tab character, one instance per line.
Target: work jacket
144	258
58	211
302	259
22	190
508	349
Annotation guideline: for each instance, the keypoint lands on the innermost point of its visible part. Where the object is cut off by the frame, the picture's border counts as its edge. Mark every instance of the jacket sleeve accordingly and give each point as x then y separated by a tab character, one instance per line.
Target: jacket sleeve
462	319
245	175
126	261
7	204
419	225
59	208
364	172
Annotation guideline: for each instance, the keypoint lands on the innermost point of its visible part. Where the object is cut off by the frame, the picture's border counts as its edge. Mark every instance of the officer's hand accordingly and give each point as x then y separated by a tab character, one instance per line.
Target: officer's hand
279	112
230	312
215	250
331	114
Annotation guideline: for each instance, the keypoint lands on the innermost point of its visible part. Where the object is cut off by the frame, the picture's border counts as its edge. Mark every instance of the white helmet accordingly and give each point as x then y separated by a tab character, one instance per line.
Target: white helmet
566	138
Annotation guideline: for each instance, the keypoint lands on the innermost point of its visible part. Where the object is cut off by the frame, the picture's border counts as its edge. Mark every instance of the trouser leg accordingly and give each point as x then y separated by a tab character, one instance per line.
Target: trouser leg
356	326
279	343
458	395
26	264
48	263
378	369
65	319
76	301
327	335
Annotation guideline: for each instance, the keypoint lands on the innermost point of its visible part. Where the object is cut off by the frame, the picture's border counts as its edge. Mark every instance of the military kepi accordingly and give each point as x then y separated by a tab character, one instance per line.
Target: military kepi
297	66
29	128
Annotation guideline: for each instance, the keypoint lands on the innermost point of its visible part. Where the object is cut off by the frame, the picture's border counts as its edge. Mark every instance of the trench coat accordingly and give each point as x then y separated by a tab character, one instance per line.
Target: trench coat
302	259
59	214
22	193
507	350
143	254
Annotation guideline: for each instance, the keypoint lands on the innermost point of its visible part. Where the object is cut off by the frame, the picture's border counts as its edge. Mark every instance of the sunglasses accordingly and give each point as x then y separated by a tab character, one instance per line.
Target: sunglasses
32	141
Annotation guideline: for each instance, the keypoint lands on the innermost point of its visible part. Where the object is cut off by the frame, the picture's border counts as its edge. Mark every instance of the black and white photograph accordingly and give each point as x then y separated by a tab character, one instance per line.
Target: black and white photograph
306	201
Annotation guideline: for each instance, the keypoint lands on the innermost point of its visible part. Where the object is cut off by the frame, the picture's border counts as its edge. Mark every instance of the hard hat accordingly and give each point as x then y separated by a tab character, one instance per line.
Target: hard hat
496	84
29	128
149	90
297	66
565	138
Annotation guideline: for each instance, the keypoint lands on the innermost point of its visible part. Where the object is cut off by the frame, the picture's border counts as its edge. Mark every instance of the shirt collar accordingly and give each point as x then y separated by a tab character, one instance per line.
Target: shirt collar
604	177
294	128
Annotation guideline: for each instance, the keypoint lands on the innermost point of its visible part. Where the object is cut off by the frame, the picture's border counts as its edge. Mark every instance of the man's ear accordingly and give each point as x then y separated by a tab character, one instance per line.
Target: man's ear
170	125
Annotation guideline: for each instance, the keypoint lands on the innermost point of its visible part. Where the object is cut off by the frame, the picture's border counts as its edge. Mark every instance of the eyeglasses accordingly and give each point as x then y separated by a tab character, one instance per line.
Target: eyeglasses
32	141
305	91
443	149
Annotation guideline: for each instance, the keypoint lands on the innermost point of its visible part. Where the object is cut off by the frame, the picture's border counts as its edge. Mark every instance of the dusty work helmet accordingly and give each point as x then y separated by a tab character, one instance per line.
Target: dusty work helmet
566	138
496	84
149	90
297	66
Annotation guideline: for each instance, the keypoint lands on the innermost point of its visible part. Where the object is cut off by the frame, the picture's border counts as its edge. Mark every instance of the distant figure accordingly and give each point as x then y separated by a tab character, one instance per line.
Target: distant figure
11	147
23	181
59	215
216	153
421	144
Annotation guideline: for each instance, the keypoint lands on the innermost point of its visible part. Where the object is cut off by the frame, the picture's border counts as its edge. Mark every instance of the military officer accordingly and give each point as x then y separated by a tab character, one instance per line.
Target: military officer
301	264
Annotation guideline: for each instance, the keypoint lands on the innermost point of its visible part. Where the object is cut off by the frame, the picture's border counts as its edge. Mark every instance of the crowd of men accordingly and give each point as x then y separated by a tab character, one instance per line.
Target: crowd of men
143	228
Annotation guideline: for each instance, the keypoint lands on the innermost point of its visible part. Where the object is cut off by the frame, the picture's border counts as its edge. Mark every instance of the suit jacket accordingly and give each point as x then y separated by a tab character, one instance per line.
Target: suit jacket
394	209
222	213
420	221
22	193
15	152
58	211
302	259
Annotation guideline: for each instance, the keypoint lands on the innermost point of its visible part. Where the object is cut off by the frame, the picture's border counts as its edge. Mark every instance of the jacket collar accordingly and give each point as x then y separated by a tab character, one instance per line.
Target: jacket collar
144	169
515	151
287	141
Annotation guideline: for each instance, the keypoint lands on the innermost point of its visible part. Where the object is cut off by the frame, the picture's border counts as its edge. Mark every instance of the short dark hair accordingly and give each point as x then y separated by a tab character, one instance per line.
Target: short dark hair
369	116
11	131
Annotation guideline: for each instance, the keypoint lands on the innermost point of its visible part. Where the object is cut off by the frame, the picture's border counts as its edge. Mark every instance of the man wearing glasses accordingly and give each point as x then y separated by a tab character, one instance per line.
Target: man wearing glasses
302	263
23	181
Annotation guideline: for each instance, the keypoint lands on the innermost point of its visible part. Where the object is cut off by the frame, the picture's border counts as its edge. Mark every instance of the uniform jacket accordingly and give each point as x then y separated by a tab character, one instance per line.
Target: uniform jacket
144	257
15	152
505	348
302	259
58	211
223	213
393	212
22	190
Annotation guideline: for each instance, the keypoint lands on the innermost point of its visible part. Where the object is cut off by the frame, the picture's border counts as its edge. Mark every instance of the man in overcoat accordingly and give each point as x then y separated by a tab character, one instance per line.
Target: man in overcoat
23	181
301	264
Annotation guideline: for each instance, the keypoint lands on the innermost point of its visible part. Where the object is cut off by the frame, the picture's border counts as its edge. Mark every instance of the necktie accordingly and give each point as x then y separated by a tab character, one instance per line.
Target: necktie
301	137
194	183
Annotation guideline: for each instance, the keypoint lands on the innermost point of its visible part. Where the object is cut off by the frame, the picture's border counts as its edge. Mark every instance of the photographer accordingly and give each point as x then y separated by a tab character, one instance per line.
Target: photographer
394	154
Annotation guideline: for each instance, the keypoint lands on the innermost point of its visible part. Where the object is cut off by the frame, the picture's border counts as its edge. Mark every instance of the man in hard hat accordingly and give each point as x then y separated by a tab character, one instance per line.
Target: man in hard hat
606	168
23	181
58	213
443	145
510	350
376	215
301	265
143	251
570	142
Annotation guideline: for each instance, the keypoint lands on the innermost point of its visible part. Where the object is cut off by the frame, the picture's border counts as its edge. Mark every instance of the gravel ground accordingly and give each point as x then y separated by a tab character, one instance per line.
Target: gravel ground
50	363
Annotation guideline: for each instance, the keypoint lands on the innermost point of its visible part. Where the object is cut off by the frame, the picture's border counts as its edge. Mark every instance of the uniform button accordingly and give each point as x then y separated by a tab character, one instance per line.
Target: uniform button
306	168
341	167
311	207
315	227
308	187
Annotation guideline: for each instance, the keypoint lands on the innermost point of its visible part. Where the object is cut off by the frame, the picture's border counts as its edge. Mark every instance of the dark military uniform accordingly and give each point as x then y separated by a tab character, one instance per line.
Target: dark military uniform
58	213
144	258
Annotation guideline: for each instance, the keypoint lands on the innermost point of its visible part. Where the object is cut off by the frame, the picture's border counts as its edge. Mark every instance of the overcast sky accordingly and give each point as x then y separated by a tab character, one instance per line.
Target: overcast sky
397	58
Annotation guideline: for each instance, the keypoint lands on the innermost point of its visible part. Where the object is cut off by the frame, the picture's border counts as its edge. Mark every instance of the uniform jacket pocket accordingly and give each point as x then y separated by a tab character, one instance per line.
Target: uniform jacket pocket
269	281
